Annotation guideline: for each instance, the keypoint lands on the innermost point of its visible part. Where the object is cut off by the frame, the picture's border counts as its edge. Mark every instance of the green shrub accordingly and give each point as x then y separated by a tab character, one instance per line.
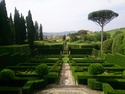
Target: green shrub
94	84
7	74
78	69
107	45
96	69
52	77
118	44
107	88
124	74
42	70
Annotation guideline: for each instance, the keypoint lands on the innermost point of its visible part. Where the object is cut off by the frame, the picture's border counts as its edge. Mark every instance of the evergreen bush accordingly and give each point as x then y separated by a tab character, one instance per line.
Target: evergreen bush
107	45
7	74
42	70
95	69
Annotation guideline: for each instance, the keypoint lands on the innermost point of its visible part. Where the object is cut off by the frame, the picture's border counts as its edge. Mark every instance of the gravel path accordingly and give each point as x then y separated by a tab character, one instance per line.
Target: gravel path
67	85
66	77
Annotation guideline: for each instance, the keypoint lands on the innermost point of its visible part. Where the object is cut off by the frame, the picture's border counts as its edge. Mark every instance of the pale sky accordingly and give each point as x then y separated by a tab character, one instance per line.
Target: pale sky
68	15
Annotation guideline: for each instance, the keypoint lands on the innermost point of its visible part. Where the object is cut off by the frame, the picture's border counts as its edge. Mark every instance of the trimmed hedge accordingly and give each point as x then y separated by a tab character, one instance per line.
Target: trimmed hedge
109	90
116	59
4	60
89	61
30	86
49	51
86	51
52	77
94	84
15	49
10	90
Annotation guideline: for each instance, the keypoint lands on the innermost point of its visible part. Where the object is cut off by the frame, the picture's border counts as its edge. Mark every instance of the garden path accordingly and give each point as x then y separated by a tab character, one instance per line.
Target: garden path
67	85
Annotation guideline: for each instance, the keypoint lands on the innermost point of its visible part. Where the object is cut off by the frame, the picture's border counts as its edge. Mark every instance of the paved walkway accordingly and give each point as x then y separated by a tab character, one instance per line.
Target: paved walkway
66	77
67	85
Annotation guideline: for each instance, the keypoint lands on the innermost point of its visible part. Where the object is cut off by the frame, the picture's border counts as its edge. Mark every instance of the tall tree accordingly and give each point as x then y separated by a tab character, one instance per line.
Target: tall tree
30	28
12	31
41	32
102	17
20	28
4	25
17	27
36	36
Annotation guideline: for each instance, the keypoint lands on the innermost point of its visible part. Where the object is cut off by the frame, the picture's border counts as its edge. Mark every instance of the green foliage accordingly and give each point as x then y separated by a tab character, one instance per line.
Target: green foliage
78	69
118	44
96	69
116	58
5	38
73	63
31	29
116	33
94	84
19	28
86	51
7	74
41	32
107	88
107	45
105	36
42	70
124	74
102	17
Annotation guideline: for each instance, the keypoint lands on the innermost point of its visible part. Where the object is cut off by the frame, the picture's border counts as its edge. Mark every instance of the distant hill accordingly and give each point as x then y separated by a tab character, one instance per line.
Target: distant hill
58	33
112	32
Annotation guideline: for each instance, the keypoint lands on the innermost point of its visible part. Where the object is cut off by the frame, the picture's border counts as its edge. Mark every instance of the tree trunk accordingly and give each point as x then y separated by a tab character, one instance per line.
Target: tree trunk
101	38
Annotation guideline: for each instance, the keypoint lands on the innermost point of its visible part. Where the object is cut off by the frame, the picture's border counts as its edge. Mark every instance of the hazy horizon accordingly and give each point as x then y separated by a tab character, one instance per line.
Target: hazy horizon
68	15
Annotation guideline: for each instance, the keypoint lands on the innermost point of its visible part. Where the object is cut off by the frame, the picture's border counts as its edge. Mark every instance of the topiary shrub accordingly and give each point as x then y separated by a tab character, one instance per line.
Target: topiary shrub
95	69
7	74
42	70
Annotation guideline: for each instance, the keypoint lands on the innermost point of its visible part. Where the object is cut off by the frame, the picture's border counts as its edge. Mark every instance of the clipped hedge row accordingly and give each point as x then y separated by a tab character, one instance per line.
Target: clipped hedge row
31	85
109	90
52	77
94	84
116	59
89	61
86	51
15	49
10	90
45	51
7	59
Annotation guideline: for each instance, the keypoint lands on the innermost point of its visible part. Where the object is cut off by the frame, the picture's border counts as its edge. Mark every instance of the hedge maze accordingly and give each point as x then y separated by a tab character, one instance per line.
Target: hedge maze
26	80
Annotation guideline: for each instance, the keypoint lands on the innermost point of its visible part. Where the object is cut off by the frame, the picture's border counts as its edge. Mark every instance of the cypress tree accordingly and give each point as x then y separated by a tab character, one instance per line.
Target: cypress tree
17	26
22	29
11	24
30	28
36	36
4	25
41	32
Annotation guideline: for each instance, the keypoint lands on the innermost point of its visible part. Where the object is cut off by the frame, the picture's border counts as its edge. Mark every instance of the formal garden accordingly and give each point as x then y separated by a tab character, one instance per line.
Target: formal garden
31	61
23	73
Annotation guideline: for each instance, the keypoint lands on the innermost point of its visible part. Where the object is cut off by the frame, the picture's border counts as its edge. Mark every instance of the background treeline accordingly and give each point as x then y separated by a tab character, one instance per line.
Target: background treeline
18	30
114	40
87	36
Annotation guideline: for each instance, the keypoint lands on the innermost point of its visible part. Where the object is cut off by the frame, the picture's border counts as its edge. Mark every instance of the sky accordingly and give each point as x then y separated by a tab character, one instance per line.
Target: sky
68	15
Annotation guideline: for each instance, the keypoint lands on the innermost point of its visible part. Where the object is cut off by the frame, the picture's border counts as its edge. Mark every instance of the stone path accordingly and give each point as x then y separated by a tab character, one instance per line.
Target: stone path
67	85
66	77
